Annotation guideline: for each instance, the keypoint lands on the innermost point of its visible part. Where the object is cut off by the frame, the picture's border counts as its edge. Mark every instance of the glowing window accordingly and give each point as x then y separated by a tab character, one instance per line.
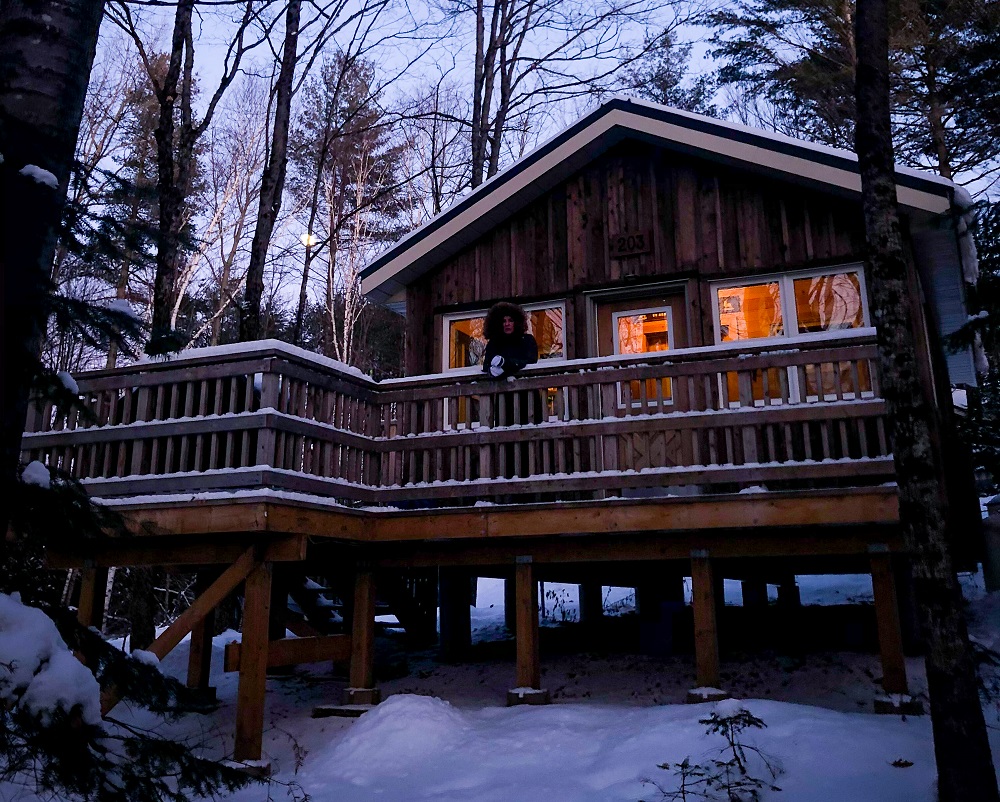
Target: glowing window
828	302
466	343
750	311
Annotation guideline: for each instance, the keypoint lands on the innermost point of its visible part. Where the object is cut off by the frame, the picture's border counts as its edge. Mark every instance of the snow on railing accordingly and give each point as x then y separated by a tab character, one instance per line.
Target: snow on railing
270	415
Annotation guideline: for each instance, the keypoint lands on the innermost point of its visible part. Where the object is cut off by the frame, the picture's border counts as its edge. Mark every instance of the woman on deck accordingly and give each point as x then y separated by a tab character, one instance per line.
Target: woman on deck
509	346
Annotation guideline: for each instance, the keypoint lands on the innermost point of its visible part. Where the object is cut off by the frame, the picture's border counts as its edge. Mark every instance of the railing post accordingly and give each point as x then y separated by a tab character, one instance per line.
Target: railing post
139	447
485	422
270	384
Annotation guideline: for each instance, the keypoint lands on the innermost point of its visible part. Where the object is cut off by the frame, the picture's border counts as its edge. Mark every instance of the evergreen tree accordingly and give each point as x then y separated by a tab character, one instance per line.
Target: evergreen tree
798	57
347	176
662	74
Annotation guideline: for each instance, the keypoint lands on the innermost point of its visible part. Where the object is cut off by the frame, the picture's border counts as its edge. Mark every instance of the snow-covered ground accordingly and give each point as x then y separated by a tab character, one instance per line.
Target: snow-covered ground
442	734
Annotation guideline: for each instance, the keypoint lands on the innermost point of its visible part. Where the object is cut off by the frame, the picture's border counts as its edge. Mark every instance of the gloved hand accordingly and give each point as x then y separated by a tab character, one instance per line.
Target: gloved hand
496	366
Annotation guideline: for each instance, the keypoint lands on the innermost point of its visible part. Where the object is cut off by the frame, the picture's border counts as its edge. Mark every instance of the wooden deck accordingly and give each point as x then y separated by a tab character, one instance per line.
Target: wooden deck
254	463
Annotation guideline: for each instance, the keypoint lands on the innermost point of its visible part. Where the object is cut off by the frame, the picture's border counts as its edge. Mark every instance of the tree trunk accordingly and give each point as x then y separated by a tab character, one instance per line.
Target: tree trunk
46	54
170	192
964	762
273	180
141	607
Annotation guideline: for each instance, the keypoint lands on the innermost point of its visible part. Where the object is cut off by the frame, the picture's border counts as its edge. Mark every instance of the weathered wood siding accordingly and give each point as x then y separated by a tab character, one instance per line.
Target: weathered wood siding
707	221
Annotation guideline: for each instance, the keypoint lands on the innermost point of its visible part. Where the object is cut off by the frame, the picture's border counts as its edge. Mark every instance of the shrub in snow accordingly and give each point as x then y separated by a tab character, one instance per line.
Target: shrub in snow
729	776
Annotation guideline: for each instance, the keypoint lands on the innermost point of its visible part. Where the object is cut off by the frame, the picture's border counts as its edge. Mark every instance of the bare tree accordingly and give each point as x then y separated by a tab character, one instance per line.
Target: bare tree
529	53
364	28
438	150
235	159
178	131
964	762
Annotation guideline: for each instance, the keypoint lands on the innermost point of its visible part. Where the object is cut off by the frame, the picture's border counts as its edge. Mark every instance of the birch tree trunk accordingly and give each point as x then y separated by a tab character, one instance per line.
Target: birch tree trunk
46	54
964	762
273	181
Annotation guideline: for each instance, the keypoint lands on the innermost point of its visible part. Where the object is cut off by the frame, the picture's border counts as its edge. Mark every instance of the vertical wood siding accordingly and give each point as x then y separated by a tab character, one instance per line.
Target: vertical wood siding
706	221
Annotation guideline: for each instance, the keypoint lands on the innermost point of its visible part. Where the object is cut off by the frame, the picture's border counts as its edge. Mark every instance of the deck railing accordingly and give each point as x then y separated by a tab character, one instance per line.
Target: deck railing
269	415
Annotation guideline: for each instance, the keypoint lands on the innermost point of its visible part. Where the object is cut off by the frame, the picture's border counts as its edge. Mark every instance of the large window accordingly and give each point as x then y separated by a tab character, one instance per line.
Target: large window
644	331
792	305
465	341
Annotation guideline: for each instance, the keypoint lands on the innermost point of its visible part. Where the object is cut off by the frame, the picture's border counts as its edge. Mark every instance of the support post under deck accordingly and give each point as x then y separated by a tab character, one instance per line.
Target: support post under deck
706	635
362	688
890	634
200	655
529	674
93	590
253	664
456	615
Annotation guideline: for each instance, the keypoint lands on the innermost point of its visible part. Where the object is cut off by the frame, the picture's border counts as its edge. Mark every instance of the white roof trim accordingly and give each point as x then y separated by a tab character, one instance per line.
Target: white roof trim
783	154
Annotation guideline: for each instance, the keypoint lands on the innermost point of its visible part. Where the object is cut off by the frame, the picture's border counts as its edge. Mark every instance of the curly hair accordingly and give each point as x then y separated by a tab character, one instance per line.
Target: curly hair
494	320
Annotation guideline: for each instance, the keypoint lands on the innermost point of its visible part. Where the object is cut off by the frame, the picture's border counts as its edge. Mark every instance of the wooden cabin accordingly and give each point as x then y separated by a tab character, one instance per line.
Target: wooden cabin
706	403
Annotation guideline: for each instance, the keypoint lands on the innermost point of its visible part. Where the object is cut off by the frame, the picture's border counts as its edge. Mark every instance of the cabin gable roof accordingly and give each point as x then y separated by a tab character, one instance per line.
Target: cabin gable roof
617	120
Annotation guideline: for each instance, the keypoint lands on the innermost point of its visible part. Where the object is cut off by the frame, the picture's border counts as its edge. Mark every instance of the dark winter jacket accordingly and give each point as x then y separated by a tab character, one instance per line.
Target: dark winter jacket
517	351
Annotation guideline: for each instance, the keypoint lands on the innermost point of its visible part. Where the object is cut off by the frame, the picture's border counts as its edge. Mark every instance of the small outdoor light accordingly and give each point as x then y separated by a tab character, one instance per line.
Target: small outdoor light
309	240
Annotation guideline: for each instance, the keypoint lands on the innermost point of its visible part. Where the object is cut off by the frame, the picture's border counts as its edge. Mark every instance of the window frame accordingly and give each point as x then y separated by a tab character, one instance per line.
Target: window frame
616	344
448	318
786	289
616	316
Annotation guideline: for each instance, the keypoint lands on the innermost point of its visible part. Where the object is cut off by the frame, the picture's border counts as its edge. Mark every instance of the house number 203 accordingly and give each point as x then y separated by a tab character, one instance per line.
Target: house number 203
631	244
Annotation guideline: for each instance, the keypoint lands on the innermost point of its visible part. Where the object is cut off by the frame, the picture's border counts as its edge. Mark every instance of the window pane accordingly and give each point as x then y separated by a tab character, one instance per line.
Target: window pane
466	343
749	312
643	332
829	302
547	327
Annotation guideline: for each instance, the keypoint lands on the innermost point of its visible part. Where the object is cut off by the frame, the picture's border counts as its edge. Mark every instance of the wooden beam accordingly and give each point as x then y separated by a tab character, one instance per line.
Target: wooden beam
183	550
253	665
362	674
526	590
204	604
757	511
890	636
294	651
93	591
805	543
706	635
186	621
200	654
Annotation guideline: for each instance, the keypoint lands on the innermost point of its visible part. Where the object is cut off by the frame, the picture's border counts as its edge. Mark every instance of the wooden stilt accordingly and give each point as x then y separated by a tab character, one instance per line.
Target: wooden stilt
529	675
591	603
362	674
890	636
456	615
200	656
706	636
509	605
525	588
754	593
253	664
93	587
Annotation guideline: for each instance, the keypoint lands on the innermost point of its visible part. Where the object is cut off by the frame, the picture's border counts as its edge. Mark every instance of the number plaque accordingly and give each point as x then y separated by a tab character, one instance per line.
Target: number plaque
631	244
